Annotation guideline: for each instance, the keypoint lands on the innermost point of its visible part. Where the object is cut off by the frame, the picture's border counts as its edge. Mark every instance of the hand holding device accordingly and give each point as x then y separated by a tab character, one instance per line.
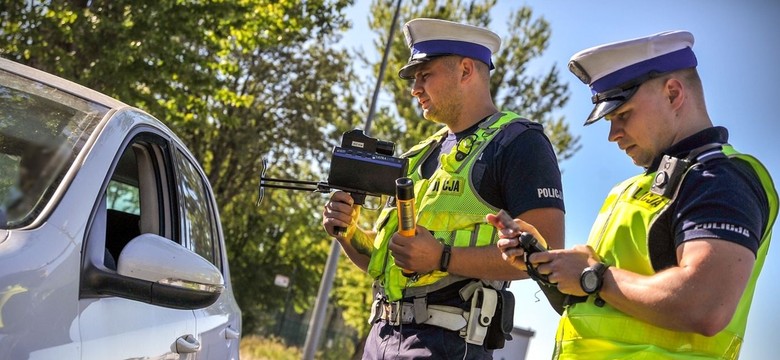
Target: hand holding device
404	198
531	245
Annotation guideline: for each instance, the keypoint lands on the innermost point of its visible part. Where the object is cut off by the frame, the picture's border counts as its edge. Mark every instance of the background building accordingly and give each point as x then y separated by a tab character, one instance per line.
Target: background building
517	348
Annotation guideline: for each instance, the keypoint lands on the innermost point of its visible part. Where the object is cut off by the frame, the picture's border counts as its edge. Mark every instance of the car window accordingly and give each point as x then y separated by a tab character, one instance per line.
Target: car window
198	224
41	133
123	200
123	197
143	197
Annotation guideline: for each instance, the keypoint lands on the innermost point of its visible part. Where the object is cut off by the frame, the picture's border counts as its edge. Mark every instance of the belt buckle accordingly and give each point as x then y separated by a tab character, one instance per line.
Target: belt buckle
395	313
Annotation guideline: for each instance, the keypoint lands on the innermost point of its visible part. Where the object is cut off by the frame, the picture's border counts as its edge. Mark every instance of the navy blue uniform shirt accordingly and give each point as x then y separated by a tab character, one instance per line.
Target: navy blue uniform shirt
719	199
518	170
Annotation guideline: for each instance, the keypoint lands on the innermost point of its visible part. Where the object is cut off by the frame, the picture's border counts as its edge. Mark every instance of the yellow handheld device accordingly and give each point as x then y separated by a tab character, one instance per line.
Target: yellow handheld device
404	198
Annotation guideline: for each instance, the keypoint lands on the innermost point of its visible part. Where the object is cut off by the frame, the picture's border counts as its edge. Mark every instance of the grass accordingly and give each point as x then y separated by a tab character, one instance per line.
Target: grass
259	348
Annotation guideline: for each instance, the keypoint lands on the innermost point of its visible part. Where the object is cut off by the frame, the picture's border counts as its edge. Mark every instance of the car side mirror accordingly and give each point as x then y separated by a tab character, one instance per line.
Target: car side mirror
157	259
158	271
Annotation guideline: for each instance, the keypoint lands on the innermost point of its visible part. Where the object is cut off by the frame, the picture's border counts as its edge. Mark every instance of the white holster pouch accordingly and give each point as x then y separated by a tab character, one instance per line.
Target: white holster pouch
480	315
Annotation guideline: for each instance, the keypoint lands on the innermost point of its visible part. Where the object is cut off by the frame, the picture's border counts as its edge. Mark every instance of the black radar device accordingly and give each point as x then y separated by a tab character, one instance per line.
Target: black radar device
365	165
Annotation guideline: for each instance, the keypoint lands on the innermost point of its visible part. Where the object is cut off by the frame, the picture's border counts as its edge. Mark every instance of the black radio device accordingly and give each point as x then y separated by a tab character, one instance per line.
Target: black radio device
530	245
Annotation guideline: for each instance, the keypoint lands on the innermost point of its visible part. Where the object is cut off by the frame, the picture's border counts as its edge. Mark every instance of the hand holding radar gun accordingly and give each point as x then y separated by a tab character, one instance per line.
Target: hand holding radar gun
531	245
404	197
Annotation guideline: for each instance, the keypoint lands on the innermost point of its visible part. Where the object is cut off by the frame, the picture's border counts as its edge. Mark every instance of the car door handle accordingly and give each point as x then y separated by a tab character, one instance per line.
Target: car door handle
230	333
187	344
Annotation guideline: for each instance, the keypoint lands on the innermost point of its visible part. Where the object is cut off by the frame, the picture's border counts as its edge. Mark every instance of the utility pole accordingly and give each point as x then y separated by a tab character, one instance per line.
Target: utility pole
314	332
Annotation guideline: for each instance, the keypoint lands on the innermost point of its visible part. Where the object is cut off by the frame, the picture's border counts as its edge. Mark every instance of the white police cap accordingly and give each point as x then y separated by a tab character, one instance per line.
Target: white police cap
614	71
430	38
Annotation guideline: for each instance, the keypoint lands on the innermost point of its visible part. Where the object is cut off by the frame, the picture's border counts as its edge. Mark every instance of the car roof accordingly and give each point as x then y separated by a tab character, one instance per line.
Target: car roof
60	83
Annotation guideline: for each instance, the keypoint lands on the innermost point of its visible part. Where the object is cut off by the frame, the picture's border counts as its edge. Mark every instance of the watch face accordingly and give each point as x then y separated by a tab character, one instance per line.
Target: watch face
589	281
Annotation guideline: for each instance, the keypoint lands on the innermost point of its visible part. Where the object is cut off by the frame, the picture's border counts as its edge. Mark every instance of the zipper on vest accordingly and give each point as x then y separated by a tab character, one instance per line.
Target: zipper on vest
609	216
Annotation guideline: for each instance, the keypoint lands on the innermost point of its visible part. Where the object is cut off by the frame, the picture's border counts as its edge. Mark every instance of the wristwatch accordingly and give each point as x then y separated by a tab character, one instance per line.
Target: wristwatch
592	278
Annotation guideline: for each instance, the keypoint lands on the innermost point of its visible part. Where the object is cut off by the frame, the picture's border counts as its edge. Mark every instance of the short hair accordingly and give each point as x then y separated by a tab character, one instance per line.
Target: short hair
692	79
480	67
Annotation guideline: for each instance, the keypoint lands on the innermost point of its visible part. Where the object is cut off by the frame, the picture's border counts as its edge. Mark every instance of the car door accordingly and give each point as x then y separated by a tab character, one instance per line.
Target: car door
139	197
218	324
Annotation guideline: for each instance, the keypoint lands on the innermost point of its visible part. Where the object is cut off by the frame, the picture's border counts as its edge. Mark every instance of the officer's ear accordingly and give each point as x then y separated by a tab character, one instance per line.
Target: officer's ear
467	68
675	92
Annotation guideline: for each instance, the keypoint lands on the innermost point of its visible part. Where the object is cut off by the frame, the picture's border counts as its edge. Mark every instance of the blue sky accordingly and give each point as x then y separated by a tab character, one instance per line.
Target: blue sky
739	62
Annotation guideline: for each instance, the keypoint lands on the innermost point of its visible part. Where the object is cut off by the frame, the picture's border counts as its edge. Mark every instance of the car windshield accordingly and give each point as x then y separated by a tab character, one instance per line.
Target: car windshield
42	129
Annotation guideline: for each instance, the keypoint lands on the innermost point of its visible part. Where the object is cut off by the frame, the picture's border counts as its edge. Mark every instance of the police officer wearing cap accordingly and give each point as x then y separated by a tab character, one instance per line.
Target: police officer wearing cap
480	161
671	263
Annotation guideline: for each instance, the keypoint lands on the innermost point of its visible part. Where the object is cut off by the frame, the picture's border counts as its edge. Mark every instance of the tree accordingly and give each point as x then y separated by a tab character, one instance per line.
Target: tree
533	96
238	81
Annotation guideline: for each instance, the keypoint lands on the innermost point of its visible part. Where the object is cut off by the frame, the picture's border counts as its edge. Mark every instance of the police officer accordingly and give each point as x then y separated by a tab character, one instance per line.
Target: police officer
671	263
481	160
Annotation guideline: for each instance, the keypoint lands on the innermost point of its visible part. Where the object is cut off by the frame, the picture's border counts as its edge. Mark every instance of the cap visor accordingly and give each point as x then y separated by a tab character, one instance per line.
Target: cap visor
407	72
605	107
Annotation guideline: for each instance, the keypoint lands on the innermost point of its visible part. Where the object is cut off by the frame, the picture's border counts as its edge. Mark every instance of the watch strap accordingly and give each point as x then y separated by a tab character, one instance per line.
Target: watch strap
446	254
599	268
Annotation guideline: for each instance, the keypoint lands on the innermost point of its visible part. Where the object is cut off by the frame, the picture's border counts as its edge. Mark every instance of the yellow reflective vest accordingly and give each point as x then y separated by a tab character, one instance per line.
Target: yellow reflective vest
619	236
447	205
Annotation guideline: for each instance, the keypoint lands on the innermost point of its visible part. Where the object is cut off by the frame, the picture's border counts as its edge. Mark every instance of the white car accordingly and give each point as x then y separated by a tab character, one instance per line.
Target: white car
110	241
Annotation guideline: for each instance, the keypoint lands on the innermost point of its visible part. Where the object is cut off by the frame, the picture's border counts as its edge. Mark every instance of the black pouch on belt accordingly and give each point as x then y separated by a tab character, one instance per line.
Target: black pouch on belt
500	329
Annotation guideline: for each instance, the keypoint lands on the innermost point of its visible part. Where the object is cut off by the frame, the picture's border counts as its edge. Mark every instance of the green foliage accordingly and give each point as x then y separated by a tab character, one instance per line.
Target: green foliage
257	348
352	291
245	80
533	96
238	81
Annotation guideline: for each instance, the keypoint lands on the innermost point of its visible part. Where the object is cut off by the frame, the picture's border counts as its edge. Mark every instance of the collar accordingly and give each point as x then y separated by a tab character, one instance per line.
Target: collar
715	134
472	129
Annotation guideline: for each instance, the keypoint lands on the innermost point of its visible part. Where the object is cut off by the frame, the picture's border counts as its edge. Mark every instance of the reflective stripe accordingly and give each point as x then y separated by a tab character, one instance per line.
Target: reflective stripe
463	238
617	330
